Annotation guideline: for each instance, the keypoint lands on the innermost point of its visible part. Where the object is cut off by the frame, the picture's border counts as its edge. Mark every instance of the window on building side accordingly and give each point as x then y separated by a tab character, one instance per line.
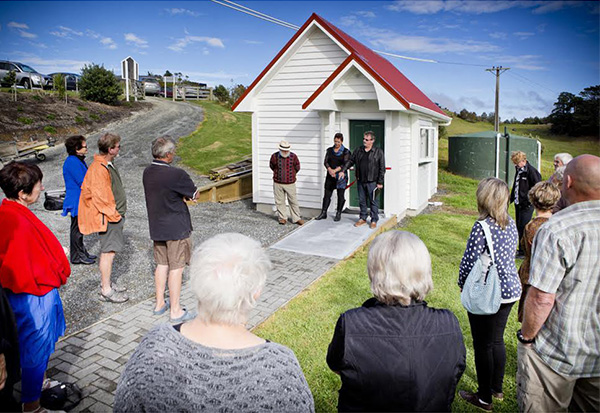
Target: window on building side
426	149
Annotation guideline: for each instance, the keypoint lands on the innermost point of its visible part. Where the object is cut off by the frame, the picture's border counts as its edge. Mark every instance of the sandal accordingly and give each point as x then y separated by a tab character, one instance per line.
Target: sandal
114	297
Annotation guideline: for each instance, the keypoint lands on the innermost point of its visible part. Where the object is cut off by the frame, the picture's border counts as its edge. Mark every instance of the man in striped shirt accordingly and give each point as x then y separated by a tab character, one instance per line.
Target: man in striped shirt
285	165
558	364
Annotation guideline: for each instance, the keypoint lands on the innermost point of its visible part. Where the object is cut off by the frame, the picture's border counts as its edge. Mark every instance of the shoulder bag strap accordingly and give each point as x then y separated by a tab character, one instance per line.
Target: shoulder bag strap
488	237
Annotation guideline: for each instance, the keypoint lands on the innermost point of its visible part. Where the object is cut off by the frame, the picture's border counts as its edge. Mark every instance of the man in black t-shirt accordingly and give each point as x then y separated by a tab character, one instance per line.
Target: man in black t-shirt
166	188
369	162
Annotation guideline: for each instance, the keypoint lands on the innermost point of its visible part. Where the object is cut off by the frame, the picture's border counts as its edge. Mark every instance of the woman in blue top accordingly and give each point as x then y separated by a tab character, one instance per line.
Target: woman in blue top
74	170
488	330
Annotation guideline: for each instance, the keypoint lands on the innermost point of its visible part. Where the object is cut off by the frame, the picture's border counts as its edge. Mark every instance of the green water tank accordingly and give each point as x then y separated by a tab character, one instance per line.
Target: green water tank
487	154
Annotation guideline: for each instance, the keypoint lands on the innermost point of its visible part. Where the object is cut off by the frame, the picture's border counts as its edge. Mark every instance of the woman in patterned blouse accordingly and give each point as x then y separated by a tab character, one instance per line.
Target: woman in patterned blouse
488	330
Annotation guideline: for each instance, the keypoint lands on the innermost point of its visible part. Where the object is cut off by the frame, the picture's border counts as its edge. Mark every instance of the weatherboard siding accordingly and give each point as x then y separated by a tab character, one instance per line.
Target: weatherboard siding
354	86
280	116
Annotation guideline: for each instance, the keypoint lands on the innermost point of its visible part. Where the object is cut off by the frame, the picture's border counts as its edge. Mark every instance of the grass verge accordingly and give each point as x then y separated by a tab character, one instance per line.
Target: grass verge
223	137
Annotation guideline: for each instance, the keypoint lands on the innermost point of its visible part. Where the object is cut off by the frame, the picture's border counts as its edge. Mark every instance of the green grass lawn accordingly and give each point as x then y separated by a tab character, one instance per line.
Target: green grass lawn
307	322
223	137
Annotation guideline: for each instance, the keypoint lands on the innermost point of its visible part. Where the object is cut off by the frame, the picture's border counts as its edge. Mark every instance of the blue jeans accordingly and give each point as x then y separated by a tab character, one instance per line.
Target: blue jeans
365	198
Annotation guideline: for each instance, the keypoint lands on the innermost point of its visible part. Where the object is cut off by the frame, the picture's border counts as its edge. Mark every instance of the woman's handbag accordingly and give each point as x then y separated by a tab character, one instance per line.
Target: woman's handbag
482	292
54	200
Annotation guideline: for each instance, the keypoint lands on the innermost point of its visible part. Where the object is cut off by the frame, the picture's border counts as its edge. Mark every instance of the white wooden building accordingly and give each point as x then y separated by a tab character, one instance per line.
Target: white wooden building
323	82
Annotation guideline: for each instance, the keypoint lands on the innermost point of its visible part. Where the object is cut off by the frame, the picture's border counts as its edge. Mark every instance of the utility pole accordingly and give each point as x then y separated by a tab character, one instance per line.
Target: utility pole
499	70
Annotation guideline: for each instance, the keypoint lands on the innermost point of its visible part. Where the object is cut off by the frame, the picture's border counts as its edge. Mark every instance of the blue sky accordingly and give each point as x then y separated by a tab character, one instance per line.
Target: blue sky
550	46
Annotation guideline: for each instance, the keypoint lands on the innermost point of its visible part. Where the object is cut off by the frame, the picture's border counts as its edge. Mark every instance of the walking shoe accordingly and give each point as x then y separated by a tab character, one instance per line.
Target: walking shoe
473	399
360	223
498	396
91	256
118	288
187	316
338	216
282	222
84	261
299	222
113	297
162	310
373	225
322	215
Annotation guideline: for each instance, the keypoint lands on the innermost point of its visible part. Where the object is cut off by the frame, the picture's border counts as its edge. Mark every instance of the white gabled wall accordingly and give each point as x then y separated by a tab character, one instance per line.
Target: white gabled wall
279	115
354	86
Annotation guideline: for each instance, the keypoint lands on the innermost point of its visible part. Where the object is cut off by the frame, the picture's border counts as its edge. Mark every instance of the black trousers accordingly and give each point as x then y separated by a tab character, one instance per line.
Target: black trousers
78	251
340	199
522	217
490	354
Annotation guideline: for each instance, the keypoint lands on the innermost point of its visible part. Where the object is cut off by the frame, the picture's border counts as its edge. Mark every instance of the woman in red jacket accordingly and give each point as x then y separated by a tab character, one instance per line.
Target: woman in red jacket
33	265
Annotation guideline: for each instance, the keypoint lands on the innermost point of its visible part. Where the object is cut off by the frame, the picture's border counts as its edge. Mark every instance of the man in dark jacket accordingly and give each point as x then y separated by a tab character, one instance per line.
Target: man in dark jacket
369	162
526	177
166	188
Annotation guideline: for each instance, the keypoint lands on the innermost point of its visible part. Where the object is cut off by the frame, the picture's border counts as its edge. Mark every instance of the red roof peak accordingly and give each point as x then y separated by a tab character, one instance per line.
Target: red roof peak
380	68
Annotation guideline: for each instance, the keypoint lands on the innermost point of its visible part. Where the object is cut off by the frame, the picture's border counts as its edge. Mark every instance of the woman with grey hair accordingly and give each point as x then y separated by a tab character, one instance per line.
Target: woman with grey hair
395	353
213	362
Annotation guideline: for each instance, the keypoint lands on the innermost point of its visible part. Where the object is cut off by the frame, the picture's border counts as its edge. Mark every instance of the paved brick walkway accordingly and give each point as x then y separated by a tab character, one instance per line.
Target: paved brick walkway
95	357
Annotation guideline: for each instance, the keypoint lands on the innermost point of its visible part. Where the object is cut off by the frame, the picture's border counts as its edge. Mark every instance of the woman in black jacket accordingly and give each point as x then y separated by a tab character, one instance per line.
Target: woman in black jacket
395	353
335	158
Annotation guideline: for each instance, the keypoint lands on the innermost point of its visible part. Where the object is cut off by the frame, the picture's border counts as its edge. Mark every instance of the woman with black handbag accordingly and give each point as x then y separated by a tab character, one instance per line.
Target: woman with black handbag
495	235
74	170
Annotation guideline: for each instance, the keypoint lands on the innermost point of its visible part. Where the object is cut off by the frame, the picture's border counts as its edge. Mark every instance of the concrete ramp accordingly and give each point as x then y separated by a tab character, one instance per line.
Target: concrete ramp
327	238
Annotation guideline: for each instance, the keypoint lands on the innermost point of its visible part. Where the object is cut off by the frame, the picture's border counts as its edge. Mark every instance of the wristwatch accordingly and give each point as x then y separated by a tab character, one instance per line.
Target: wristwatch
522	339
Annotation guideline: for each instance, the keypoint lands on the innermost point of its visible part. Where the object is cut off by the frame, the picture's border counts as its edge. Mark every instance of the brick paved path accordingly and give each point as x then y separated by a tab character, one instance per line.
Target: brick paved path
94	357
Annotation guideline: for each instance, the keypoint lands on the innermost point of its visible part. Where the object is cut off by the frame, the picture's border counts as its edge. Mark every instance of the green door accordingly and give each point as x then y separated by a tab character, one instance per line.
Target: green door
357	131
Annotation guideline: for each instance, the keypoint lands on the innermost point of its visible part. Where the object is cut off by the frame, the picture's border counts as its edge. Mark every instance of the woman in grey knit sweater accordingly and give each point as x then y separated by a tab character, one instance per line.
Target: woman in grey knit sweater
213	363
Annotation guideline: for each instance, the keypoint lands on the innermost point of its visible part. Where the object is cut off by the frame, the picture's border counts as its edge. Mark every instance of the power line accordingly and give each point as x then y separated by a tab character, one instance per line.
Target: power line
257	14
293	26
532	82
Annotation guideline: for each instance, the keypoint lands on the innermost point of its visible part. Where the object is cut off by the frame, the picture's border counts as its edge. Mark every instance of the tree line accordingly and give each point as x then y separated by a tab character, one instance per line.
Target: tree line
573	115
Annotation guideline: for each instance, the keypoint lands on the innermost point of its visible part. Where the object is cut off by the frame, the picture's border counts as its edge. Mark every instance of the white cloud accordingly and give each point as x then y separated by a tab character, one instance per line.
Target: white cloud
135	40
27	35
45	65
525	62
176	11
483	6
524	35
393	42
498	35
253	42
216	75
105	41
66	32
366	14
15	25
183	42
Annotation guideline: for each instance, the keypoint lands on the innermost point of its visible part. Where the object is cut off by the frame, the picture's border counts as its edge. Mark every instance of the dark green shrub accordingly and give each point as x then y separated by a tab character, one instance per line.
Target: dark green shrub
19	108
50	129
94	117
10	79
24	120
50	116
99	85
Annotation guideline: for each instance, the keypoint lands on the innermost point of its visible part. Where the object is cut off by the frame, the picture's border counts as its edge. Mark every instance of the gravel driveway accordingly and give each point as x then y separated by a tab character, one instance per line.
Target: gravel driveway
135	267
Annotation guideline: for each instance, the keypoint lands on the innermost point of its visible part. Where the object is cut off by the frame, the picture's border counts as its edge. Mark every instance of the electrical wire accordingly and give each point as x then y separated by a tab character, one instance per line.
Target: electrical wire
258	15
262	14
532	82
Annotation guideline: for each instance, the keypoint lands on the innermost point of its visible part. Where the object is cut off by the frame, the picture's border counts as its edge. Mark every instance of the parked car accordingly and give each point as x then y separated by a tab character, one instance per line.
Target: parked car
48	82
26	75
71	78
169	92
151	86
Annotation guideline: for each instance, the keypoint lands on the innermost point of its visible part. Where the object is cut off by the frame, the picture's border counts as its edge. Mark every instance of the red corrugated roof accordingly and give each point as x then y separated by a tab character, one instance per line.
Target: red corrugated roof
380	68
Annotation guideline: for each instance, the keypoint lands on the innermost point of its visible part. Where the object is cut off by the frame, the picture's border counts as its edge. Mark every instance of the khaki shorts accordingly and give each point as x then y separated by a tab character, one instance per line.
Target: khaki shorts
112	240
174	254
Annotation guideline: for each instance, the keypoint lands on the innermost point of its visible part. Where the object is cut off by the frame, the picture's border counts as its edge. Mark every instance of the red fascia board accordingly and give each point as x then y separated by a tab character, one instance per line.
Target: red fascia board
275	59
327	81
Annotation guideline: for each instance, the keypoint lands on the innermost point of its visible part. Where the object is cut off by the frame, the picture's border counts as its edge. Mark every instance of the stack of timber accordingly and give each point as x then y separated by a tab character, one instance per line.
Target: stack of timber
233	182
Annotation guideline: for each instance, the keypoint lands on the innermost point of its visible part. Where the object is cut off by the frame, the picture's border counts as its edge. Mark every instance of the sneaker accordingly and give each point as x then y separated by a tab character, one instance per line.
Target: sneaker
114	297
473	399
360	223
